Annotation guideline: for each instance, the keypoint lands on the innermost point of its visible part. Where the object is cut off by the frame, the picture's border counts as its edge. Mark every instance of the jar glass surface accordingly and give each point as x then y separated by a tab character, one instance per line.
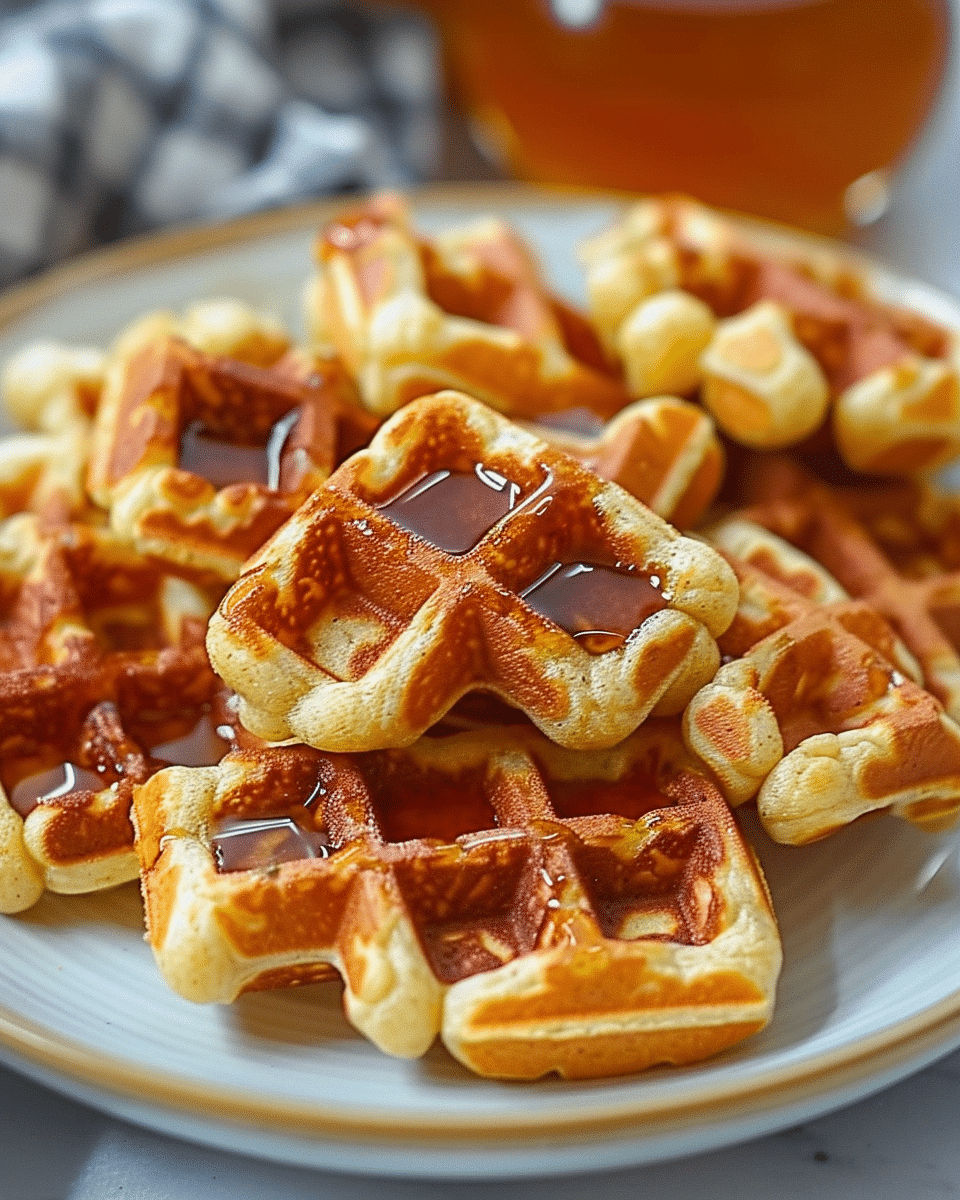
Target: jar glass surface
789	109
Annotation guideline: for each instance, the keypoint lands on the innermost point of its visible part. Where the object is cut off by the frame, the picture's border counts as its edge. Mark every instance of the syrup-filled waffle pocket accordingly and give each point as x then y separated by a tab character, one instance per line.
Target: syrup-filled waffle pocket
199	457
542	910
102	662
459	552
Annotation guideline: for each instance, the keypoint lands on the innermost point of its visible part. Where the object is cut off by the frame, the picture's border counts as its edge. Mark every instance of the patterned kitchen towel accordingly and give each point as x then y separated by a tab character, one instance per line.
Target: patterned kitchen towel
118	116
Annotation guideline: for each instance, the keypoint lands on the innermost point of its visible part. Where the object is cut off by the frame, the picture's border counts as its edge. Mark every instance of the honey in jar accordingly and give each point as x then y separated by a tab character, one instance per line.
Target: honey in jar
789	109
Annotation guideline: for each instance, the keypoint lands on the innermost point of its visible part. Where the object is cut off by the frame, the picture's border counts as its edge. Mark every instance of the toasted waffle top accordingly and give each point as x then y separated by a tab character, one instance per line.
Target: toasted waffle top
459	552
468	310
84	619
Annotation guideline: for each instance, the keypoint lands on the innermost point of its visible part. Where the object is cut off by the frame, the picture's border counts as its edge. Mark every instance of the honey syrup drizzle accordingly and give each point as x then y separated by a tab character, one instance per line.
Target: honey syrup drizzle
224	463
55	783
598	606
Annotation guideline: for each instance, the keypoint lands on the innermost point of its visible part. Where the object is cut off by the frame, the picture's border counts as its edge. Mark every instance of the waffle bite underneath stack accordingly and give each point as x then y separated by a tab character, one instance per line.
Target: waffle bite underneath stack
101	660
199	457
816	710
543	910
459	552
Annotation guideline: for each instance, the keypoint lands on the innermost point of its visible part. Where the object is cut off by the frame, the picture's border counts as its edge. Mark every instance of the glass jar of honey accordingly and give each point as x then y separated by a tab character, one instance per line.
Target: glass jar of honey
790	109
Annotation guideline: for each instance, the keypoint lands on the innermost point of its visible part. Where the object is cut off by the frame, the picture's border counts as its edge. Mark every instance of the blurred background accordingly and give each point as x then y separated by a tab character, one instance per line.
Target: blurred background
120	116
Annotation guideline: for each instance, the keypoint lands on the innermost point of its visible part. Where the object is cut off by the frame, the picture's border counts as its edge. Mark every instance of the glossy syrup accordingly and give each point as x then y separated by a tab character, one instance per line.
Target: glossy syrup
453	510
599	606
224	463
265	842
206	743
55	783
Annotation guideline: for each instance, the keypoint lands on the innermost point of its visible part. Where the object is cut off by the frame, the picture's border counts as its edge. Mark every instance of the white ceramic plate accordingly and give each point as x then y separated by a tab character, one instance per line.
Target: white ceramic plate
871	984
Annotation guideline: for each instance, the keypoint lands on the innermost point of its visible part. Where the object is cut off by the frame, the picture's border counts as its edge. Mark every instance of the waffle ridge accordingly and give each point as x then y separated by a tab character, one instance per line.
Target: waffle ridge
893	546
474	886
818	710
101	655
424	625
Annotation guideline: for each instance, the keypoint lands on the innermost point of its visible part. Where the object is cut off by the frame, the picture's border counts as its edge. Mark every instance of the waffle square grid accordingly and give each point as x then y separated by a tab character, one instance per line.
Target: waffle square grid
541	909
351	630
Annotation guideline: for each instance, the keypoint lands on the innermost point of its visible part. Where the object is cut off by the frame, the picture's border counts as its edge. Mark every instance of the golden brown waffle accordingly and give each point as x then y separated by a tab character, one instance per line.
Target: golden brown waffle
467	311
66	792
896	548
51	392
223	326
814	711
664	451
542	910
460	553
101	655
64	809
772	334
199	457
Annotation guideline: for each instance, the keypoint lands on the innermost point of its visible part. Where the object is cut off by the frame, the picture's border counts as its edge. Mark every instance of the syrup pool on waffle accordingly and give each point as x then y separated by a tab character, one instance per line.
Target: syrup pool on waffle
54	783
203	745
461	553
66	790
599	606
224	463
540	909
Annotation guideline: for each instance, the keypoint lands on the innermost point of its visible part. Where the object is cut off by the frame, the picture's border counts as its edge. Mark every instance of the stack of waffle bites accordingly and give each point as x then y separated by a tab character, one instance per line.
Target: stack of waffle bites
432	654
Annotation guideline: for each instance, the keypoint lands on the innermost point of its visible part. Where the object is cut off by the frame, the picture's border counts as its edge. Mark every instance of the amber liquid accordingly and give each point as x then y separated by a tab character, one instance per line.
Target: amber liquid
768	108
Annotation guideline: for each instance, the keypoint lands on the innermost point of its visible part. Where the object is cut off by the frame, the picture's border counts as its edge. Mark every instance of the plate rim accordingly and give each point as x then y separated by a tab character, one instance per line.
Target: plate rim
151	249
890	1052
882	1056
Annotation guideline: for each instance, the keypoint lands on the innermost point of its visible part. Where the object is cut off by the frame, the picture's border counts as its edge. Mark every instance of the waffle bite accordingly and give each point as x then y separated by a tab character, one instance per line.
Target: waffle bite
468	310
199	457
817	710
460	553
102	663
51	392
66	794
893	546
663	450
542	910
775	334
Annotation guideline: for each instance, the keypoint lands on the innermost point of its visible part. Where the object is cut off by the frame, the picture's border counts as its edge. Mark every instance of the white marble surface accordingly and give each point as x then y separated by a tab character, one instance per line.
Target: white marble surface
902	1142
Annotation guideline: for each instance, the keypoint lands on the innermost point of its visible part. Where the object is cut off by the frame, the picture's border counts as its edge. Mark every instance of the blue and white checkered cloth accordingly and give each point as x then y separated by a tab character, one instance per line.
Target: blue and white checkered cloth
118	116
